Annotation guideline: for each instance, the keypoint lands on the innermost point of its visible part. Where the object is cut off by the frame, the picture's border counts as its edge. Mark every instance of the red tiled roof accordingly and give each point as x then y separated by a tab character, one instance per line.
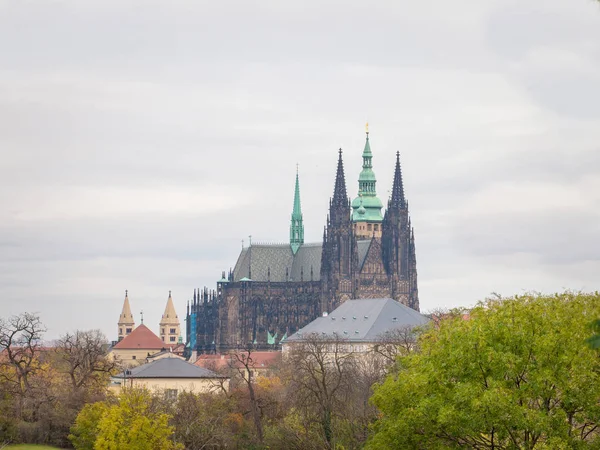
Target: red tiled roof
259	360
141	338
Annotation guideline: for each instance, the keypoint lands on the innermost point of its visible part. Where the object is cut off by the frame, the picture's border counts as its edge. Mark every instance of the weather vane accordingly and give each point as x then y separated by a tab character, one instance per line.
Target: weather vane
367	127
142	314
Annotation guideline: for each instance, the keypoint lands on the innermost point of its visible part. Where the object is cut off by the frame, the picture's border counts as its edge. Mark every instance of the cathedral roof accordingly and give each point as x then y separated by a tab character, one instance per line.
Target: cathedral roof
363	320
363	248
141	338
261	262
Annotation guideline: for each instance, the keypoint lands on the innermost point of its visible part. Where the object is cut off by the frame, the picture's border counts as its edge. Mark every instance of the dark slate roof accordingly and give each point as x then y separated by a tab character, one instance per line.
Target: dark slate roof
362	320
278	258
363	249
169	368
307	256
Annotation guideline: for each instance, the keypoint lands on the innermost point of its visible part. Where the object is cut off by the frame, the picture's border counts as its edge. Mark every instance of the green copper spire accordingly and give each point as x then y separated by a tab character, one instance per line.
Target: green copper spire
367	206
296	227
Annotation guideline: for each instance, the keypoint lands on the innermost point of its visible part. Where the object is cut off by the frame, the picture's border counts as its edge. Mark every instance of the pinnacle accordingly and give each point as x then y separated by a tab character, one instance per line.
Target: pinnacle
170	315
339	192
296	225
398	200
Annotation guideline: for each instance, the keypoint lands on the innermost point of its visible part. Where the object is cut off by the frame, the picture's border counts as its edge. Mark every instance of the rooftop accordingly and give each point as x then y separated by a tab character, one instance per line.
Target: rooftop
141	338
171	367
362	320
260	360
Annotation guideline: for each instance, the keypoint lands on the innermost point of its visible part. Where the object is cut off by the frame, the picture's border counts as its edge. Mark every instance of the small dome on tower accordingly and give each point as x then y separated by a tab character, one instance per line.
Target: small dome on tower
361	209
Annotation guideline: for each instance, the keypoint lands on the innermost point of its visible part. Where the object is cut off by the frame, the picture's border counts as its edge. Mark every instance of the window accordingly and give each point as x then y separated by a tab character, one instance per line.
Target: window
376	227
172	331
162	331
172	338
120	330
127	330
133	357
171	394
369	227
163	338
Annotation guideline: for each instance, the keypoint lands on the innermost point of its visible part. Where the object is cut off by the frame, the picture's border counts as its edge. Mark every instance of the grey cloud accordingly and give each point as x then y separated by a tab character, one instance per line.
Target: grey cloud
142	142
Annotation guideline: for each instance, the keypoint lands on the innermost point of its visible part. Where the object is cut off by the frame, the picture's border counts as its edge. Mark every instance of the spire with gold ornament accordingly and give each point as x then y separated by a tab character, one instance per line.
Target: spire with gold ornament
366	207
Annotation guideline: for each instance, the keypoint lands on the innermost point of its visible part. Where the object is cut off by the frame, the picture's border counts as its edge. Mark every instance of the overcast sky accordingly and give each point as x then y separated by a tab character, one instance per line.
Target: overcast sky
141	142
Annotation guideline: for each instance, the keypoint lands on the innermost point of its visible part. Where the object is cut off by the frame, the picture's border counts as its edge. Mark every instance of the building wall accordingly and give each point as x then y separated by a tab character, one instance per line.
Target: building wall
130	357
367	230
196	385
169	332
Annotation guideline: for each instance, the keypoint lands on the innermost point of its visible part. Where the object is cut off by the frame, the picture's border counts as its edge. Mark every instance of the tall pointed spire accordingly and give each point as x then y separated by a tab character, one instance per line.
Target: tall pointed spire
126	321
398	200
339	191
169	324
296	226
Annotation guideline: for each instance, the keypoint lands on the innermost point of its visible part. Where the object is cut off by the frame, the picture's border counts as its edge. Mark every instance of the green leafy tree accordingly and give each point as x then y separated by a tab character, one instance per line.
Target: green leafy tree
516	375
85	430
131	424
594	341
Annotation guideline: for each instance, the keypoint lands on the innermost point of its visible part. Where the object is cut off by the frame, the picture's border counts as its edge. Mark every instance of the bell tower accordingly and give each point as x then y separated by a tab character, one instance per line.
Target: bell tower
169	324
366	208
126	323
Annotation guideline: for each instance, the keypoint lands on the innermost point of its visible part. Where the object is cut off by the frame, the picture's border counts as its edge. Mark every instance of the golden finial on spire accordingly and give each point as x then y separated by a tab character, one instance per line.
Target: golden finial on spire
367	127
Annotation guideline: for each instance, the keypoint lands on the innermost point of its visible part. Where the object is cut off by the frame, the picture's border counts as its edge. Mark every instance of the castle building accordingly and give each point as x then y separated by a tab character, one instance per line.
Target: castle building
276	289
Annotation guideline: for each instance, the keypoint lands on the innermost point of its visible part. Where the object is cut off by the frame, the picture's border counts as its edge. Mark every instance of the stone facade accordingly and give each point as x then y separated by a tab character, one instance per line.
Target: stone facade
274	290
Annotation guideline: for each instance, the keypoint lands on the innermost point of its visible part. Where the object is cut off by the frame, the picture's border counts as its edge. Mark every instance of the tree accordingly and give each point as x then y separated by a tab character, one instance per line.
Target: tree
20	341
594	341
133	425
85	429
83	355
244	364
395	343
515	375
201	420
321	376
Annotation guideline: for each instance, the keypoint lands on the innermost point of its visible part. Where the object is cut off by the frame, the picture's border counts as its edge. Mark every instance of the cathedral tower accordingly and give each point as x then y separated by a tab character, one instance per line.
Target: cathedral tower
398	245
338	255
126	322
366	214
169	324
296	227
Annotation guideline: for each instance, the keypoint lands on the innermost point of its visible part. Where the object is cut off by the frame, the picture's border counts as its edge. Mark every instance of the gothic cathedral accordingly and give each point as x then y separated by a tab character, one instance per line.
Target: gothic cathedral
274	290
